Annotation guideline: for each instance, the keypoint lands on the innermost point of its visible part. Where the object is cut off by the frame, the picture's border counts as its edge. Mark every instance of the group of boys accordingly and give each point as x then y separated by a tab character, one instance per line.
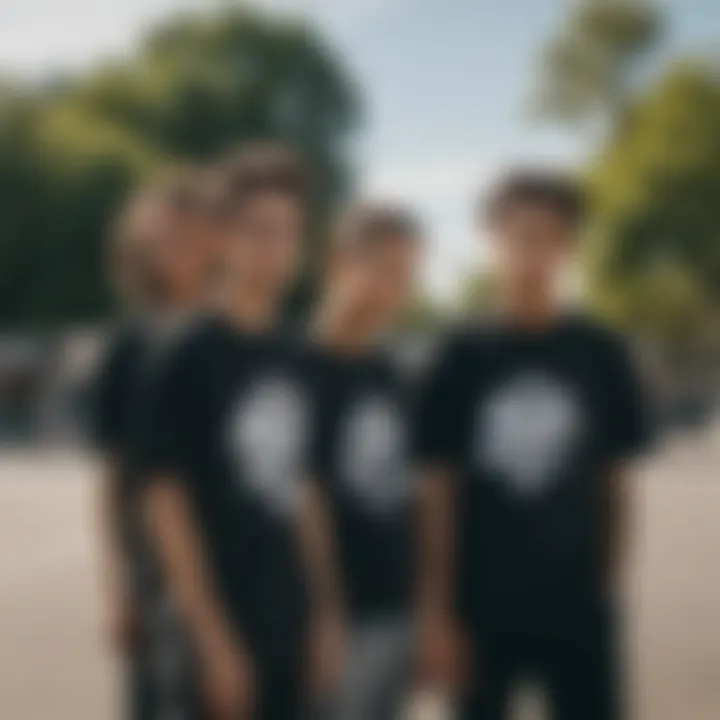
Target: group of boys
297	527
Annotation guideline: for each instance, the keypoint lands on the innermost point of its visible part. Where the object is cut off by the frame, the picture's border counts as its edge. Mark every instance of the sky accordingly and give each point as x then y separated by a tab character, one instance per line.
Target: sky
445	83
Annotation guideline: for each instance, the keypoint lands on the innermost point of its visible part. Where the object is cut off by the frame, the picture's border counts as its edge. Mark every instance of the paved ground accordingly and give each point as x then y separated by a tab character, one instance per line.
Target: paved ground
52	659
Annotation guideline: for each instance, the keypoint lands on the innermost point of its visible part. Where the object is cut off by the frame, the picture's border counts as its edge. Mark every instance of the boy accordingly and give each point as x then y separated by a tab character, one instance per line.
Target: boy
162	258
360	457
222	448
525	427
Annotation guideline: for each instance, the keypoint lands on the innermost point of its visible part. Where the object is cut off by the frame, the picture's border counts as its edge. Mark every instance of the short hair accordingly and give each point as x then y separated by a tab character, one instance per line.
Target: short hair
368	225
181	190
257	169
184	190
554	190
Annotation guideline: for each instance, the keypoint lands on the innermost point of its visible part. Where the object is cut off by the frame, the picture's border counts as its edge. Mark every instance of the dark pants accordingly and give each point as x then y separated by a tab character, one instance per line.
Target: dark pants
281	698
164	678
161	672
148	700
577	668
377	673
278	698
280	691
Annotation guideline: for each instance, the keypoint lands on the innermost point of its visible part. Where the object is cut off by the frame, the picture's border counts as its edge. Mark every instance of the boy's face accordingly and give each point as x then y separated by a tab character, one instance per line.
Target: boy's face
377	281
167	255
264	243
184	252
531	246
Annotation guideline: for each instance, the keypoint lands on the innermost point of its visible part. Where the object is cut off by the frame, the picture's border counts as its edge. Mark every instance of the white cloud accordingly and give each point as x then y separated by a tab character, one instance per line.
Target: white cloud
45	36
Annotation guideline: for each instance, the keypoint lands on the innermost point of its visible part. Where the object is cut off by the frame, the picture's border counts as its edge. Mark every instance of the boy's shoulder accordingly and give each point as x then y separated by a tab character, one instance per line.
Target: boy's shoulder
121	350
468	336
485	337
123	338
597	336
194	346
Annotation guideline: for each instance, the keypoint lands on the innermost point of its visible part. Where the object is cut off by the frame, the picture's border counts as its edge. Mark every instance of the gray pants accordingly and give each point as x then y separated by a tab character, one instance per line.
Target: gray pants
377	674
163	678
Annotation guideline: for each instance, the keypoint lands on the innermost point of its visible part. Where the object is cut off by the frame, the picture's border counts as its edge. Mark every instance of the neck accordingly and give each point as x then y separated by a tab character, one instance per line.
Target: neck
344	331
530	310
180	306
249	311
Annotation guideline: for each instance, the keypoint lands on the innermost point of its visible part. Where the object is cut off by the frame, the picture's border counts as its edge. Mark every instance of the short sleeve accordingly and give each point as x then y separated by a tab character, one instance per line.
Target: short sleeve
437	430
628	424
165	434
108	397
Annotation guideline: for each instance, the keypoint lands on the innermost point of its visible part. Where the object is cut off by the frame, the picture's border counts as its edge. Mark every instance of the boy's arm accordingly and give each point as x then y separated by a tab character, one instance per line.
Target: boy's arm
436	542
317	549
628	434
108	390
122	620
617	513
172	414
441	656
436	447
224	663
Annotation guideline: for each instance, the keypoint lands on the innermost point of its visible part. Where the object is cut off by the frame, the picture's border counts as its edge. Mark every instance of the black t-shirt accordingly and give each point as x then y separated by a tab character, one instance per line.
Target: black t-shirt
360	455
530	422
116	398
126	370
116	391
125	374
228	418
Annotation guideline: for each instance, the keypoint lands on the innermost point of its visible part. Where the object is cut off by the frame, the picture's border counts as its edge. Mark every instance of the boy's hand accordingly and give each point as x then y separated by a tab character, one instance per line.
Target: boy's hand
442	653
228	682
327	647
123	628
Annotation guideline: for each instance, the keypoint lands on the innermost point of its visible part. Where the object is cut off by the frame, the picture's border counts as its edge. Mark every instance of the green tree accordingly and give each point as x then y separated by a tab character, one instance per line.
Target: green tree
653	253
202	84
62	175
589	69
197	86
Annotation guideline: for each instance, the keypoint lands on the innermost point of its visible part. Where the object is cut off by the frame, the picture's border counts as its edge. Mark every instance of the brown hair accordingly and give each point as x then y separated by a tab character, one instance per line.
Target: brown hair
256	169
370	224
553	190
184	191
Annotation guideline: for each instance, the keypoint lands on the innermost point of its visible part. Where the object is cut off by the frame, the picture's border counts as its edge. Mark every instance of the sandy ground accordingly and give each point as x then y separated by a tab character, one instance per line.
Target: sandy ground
53	663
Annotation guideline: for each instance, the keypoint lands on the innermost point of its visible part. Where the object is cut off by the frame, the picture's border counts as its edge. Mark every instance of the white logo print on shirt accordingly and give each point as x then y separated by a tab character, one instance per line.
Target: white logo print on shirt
527	430
267	437
374	454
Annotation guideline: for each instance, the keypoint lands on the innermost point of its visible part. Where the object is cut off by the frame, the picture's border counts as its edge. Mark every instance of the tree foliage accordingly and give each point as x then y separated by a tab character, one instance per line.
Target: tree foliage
653	255
589	68
198	85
